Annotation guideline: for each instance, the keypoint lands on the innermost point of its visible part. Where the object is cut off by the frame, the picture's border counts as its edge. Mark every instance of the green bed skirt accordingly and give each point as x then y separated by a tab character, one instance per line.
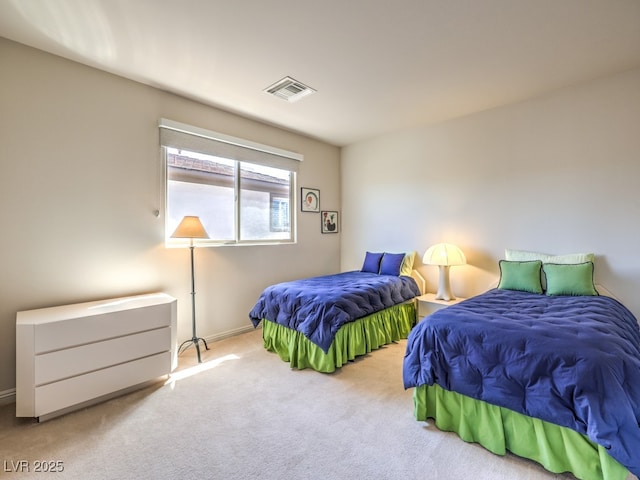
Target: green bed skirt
352	340
498	429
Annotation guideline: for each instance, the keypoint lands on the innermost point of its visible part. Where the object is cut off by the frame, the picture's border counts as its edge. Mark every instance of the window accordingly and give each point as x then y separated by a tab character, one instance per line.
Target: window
279	214
243	192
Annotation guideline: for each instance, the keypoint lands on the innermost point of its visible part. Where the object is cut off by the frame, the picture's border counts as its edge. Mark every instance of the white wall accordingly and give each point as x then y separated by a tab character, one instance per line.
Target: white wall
556	174
80	178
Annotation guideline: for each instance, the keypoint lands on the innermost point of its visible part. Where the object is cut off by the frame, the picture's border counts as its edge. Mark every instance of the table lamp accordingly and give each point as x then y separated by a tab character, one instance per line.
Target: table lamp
444	255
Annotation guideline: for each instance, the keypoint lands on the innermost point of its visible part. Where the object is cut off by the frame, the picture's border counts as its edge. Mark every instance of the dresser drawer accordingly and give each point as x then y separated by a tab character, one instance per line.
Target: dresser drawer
55	396
62	364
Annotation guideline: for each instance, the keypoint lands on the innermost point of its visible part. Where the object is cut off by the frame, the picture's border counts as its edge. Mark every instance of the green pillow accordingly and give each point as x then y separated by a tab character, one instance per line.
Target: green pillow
576	279
522	276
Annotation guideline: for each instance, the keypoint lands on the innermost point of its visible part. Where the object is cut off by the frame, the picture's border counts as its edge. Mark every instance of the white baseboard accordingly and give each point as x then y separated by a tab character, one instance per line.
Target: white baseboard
223	335
8	396
231	333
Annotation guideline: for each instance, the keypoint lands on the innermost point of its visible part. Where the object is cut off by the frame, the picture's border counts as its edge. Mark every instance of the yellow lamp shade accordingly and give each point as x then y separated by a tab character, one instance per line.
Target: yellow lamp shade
444	254
190	227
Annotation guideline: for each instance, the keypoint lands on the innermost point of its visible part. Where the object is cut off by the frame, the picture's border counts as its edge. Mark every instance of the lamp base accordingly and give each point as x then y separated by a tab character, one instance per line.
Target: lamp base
444	287
196	341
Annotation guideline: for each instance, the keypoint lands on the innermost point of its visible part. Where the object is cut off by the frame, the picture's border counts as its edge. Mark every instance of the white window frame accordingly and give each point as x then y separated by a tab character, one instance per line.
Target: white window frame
182	136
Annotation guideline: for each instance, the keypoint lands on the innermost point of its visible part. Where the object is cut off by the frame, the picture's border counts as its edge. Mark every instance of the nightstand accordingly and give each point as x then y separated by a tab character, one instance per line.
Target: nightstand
427	304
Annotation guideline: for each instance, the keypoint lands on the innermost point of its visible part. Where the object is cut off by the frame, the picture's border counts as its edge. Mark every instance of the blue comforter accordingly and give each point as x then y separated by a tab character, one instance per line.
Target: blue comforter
319	306
572	361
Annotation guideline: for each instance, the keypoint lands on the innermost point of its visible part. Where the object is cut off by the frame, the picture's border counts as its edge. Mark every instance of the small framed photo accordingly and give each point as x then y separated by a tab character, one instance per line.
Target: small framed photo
330	223
310	199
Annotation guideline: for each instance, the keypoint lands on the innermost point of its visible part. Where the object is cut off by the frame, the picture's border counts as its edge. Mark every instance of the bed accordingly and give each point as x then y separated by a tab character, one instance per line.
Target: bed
549	370
326	321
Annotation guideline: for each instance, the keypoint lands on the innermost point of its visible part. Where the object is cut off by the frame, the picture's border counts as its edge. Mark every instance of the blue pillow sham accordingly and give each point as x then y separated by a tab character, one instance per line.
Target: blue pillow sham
391	264
372	262
384	263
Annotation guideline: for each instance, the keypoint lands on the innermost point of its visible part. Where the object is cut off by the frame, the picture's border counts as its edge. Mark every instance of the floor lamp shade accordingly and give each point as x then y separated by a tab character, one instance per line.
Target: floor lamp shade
444	255
191	227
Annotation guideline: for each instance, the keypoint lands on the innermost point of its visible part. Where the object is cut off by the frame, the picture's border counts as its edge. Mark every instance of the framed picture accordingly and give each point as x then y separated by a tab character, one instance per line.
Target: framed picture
329	221
310	199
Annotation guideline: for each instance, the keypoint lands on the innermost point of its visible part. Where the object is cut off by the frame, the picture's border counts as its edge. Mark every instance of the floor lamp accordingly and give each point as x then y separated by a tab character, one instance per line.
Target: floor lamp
190	227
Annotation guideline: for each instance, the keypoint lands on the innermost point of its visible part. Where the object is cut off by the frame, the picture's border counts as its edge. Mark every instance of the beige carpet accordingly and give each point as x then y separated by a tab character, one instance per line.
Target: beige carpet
245	415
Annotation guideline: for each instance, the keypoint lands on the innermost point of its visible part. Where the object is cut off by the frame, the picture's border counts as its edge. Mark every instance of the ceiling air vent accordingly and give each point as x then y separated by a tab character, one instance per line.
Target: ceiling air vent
289	89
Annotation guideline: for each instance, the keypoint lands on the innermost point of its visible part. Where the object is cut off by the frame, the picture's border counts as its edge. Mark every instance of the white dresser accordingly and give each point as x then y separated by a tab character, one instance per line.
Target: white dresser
71	355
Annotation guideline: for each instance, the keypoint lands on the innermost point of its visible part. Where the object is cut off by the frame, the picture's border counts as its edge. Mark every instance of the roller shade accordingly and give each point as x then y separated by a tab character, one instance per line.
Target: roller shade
186	137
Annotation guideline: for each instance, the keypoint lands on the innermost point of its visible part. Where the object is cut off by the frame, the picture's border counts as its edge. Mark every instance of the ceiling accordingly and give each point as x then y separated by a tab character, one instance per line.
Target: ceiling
377	65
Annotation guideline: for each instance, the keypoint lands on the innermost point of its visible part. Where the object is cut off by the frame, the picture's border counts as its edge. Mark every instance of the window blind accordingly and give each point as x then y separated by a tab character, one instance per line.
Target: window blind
195	139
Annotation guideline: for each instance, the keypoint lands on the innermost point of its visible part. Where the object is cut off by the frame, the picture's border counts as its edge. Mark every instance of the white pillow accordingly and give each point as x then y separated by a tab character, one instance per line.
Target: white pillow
526	256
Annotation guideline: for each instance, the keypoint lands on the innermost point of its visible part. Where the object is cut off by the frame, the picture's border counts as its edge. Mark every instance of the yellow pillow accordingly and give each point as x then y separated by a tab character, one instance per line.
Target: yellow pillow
407	264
